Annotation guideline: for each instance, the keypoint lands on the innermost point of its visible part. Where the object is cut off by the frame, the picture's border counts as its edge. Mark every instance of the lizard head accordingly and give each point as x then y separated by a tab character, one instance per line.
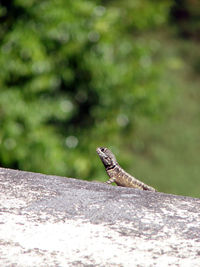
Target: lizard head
107	157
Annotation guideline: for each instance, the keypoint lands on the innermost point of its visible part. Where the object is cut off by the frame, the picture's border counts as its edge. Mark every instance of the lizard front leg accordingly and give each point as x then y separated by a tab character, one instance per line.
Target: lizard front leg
110	181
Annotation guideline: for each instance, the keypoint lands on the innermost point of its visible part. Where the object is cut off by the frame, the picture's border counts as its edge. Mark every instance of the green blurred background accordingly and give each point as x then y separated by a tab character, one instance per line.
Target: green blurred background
79	74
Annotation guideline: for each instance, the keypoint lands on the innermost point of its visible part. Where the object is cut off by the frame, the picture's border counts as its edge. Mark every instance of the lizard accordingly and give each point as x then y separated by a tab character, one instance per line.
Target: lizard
117	174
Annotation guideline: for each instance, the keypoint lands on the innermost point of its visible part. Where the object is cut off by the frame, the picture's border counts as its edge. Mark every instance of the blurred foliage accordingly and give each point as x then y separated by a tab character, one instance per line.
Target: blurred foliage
80	74
75	75
167	152
186	16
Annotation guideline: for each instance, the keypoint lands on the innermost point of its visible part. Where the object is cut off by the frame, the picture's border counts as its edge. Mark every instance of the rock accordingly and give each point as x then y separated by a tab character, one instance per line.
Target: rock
56	221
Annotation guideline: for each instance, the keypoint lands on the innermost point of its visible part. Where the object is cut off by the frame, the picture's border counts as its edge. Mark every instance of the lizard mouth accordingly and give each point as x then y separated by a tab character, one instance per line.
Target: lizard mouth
101	152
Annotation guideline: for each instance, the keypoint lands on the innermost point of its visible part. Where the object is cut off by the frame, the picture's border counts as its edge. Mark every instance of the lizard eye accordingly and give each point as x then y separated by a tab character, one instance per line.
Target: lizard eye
102	149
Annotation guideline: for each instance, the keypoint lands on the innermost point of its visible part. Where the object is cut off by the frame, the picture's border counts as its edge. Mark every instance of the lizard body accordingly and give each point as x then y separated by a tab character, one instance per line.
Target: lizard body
117	174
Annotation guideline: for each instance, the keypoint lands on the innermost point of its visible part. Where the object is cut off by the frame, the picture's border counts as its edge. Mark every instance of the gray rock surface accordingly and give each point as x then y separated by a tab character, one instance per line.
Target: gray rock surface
56	221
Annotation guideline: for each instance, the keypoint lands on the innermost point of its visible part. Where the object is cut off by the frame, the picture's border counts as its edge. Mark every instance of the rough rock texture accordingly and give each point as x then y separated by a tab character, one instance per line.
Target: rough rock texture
55	221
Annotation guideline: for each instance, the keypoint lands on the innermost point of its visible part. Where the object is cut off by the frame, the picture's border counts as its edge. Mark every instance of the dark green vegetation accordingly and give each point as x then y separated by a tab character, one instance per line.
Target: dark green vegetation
169	151
78	74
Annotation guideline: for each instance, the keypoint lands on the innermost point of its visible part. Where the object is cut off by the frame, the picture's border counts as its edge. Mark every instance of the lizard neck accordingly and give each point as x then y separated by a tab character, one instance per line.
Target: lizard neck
114	169
111	167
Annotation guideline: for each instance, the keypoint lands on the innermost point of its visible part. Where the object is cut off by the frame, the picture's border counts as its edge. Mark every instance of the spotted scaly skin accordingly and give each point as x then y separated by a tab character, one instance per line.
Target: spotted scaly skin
117	174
